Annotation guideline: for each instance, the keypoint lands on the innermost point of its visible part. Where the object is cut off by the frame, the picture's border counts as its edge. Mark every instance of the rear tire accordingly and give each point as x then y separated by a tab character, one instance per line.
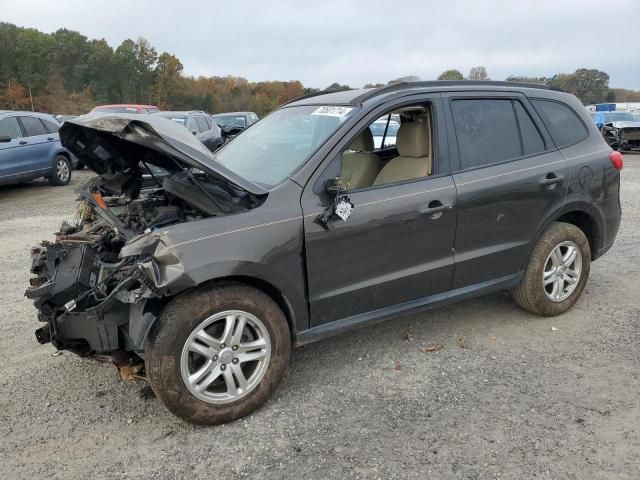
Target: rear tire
181	357
557	272
61	173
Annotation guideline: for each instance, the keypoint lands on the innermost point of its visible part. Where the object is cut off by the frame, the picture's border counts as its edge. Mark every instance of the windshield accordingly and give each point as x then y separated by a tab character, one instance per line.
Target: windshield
618	117
230	120
277	145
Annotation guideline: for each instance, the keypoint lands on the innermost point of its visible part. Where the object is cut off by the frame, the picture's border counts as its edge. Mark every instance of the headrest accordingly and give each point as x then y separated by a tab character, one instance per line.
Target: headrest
363	142
413	140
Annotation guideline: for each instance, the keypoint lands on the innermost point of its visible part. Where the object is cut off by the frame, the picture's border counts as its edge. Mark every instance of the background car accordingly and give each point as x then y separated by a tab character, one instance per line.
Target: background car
380	131
235	119
126	108
621	130
30	148
200	124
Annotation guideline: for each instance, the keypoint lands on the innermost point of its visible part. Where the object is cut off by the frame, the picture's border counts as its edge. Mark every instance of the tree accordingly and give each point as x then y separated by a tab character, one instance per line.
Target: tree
336	87
126	71
168	80
373	85
146	58
590	86
451	75
525	79
408	78
478	73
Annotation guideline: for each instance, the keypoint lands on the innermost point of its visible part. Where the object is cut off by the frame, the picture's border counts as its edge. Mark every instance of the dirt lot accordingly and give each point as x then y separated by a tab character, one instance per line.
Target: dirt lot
527	398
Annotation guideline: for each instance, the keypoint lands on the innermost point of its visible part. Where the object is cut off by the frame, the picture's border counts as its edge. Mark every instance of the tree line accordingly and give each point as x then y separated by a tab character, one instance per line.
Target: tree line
66	73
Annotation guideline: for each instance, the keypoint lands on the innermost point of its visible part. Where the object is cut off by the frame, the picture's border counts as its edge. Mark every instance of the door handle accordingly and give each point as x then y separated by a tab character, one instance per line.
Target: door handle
435	209
551	180
23	142
51	139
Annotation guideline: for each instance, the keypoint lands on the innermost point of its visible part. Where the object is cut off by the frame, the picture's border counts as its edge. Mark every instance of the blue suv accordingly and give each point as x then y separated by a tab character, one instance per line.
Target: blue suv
30	148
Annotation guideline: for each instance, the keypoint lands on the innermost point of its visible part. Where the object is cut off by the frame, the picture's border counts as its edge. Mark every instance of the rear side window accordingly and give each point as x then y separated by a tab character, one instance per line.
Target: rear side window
532	141
9	128
563	123
192	125
33	126
50	126
202	124
486	130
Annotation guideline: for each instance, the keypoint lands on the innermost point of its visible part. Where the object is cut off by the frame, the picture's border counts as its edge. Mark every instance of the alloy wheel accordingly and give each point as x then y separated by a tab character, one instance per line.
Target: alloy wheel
562	271
225	357
62	170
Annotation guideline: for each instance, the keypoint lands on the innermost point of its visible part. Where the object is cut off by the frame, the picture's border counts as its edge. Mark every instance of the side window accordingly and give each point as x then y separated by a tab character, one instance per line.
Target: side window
50	126
33	126
532	141
202	124
9	127
486	131
209	122
362	167
192	125
563	123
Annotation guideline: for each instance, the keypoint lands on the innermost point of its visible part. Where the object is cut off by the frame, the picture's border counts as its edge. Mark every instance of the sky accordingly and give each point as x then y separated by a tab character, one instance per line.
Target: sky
358	42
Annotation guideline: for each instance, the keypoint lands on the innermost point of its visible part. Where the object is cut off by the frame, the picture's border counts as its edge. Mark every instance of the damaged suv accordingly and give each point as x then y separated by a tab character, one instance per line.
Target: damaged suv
201	278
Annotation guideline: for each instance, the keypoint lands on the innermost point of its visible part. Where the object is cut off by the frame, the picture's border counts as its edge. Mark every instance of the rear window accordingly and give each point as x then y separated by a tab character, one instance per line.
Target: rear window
202	124
50	126
563	123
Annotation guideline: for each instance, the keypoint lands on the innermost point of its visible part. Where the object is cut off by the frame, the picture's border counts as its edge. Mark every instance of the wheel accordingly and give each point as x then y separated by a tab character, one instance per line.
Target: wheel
216	353
557	272
61	174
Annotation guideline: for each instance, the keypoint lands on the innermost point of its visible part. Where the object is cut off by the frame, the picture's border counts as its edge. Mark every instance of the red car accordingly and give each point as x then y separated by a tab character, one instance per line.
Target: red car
126	108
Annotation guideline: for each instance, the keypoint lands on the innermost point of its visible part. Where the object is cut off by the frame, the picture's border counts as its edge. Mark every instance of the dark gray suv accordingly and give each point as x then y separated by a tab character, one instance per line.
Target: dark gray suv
300	229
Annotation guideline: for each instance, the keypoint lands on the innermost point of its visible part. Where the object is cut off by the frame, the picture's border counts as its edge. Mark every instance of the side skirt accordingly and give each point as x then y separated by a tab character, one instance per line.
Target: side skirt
357	321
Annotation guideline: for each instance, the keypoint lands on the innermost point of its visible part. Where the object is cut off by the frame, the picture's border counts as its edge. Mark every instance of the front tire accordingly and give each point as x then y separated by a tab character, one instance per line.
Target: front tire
61	174
557	272
217	353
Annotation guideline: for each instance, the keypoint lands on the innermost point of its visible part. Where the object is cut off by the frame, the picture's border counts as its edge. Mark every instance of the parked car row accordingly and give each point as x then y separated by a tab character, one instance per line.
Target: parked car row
30	145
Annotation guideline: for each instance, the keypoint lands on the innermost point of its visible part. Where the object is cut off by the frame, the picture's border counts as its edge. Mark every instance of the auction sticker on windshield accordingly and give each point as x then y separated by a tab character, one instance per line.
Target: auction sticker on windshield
332	111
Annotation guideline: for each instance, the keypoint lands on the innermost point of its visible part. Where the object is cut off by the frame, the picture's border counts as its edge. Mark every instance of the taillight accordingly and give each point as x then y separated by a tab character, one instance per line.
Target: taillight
616	160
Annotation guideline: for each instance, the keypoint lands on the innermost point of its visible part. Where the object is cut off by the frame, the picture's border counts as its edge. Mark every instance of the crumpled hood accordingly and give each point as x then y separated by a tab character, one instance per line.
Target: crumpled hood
624	124
113	142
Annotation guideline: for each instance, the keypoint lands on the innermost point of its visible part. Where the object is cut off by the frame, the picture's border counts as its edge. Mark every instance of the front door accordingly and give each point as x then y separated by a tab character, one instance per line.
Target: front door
396	245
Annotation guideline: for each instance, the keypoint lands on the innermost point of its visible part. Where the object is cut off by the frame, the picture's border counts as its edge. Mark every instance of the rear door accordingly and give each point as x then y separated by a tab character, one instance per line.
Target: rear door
38	158
508	176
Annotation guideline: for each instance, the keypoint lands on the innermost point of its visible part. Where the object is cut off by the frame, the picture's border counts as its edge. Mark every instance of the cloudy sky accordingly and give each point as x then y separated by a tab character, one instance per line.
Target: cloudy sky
356	42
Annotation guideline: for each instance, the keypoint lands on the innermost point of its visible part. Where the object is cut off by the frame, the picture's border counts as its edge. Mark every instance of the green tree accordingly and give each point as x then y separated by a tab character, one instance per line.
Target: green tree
146	58
126	71
451	75
168	81
408	78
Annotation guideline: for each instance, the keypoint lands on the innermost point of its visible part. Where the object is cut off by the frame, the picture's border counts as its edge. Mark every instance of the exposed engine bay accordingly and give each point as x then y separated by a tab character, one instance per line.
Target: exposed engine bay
89	292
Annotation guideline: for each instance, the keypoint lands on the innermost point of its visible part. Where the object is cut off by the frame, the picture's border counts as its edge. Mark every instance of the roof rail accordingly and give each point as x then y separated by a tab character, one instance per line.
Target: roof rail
311	95
445	83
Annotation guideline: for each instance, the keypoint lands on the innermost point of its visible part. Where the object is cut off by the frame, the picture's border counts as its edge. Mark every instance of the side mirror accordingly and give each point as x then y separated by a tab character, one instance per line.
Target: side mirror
334	186
5	138
194	132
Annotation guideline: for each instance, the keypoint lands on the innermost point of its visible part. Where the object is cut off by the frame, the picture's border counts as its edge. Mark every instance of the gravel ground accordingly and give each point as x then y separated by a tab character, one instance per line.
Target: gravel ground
518	397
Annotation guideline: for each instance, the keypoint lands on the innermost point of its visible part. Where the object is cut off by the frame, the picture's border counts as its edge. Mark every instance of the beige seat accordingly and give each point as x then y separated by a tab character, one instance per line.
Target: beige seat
414	159
360	167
